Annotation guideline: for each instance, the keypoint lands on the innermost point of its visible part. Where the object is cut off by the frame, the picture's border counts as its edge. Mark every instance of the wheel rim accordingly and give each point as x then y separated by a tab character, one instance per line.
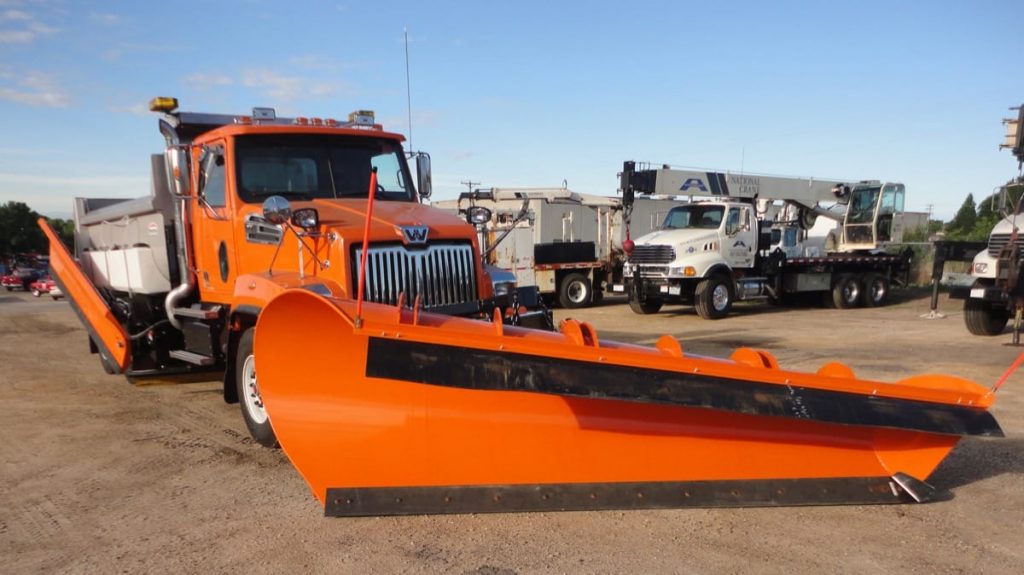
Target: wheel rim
577	292
720	297
850	292
877	291
251	393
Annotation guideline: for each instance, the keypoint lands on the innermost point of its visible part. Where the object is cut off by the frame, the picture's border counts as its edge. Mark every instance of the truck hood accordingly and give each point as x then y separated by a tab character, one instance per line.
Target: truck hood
1005	225
347	217
677	237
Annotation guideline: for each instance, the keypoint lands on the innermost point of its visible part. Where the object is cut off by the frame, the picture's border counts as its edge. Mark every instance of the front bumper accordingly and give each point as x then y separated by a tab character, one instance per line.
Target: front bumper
990	294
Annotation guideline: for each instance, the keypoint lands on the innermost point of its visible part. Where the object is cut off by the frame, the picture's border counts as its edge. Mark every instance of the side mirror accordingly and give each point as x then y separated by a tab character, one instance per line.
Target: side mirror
277	210
423	184
177	170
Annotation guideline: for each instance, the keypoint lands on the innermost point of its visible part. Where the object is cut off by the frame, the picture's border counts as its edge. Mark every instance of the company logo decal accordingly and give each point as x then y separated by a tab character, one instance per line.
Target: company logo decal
414	234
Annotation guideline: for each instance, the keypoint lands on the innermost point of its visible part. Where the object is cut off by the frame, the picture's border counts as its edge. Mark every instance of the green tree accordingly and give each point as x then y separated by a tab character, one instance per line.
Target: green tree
65	230
19	232
963	222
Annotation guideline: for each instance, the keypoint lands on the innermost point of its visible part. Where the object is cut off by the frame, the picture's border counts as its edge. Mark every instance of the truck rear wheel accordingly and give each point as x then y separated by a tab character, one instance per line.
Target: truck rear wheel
574	291
646	307
876	290
253	411
713	297
983	319
847	291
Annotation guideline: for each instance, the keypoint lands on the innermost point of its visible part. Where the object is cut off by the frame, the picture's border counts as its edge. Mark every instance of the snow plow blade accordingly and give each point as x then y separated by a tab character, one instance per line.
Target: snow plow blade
106	332
414	413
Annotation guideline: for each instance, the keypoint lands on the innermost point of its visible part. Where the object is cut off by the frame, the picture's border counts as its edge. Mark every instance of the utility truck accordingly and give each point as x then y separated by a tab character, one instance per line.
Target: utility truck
746	237
997	292
566	243
244	207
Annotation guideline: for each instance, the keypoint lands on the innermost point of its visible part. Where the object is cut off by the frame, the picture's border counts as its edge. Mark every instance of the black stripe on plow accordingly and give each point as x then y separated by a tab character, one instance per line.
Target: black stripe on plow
469	368
362	501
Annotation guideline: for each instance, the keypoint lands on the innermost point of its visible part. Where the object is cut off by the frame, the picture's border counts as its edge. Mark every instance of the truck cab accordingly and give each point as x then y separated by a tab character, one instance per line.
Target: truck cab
244	207
711	240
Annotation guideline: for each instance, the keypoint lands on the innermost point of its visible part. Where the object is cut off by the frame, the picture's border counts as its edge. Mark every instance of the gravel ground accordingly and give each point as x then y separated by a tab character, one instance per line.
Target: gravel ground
98	476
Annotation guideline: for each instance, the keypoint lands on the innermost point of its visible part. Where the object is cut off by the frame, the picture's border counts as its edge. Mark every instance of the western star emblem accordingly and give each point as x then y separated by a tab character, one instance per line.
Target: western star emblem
414	234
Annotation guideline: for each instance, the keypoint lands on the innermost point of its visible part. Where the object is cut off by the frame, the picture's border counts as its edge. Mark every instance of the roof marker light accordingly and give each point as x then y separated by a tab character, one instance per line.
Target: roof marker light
163	104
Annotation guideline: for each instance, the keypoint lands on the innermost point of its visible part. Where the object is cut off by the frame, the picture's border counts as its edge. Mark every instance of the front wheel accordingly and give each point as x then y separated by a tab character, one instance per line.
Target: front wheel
713	297
36	293
574	291
253	411
983	319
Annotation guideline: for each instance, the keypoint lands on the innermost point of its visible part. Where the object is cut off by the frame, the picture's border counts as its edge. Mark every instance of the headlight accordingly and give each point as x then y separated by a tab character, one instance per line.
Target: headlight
504	288
478	215
980	267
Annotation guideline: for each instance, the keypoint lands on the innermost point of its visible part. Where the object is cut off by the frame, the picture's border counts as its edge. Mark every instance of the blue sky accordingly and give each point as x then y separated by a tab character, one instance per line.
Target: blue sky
527	93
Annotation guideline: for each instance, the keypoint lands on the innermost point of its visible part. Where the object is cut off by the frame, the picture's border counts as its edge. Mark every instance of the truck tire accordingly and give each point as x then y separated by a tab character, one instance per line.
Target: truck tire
876	290
575	291
983	319
253	412
847	292
646	307
713	297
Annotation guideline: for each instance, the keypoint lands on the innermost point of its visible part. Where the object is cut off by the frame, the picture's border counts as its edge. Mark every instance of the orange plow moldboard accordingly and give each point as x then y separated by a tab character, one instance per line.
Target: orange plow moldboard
418	413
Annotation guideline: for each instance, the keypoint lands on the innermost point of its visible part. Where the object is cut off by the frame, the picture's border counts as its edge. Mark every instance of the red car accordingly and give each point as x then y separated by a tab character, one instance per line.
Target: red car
42	286
20	278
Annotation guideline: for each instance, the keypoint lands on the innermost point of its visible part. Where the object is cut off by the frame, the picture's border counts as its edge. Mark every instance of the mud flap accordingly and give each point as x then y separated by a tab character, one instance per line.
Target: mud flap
106	332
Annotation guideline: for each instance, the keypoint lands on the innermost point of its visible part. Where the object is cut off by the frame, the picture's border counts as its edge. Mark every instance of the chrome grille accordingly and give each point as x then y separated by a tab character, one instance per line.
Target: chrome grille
440	274
997	242
652	254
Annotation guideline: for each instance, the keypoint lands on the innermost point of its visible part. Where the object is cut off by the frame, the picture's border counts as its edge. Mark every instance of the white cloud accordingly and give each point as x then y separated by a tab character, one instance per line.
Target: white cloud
15	15
286	88
139	109
105	18
21	27
208	81
33	88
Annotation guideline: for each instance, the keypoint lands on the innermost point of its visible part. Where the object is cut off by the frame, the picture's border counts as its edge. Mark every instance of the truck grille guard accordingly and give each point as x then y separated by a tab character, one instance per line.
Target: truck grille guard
442	275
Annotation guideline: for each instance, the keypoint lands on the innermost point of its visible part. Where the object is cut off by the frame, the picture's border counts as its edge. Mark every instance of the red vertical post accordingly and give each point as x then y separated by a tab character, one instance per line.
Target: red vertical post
366	244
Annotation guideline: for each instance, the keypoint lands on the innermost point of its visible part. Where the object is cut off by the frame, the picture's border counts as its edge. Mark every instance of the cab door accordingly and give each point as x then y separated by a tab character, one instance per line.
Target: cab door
740	241
212	224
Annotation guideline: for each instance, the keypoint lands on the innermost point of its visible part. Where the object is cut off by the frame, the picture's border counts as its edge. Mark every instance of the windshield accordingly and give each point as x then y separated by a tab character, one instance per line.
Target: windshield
695	216
862	205
304	167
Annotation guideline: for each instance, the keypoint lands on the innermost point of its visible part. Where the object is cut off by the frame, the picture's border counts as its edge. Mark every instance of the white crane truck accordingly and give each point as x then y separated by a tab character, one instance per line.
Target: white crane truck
747	238
997	292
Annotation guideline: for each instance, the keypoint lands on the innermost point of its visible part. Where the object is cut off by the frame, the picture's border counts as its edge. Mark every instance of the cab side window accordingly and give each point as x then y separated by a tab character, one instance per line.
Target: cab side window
212	183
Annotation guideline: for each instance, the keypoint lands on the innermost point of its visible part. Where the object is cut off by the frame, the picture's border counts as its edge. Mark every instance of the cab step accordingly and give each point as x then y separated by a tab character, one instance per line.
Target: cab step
192	357
198	312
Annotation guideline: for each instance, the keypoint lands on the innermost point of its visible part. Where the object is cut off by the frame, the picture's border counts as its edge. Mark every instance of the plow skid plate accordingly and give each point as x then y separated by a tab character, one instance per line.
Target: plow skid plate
415	413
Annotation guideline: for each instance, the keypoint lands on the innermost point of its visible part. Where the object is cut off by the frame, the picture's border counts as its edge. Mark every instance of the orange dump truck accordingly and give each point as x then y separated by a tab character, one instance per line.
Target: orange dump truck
262	244
174	282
